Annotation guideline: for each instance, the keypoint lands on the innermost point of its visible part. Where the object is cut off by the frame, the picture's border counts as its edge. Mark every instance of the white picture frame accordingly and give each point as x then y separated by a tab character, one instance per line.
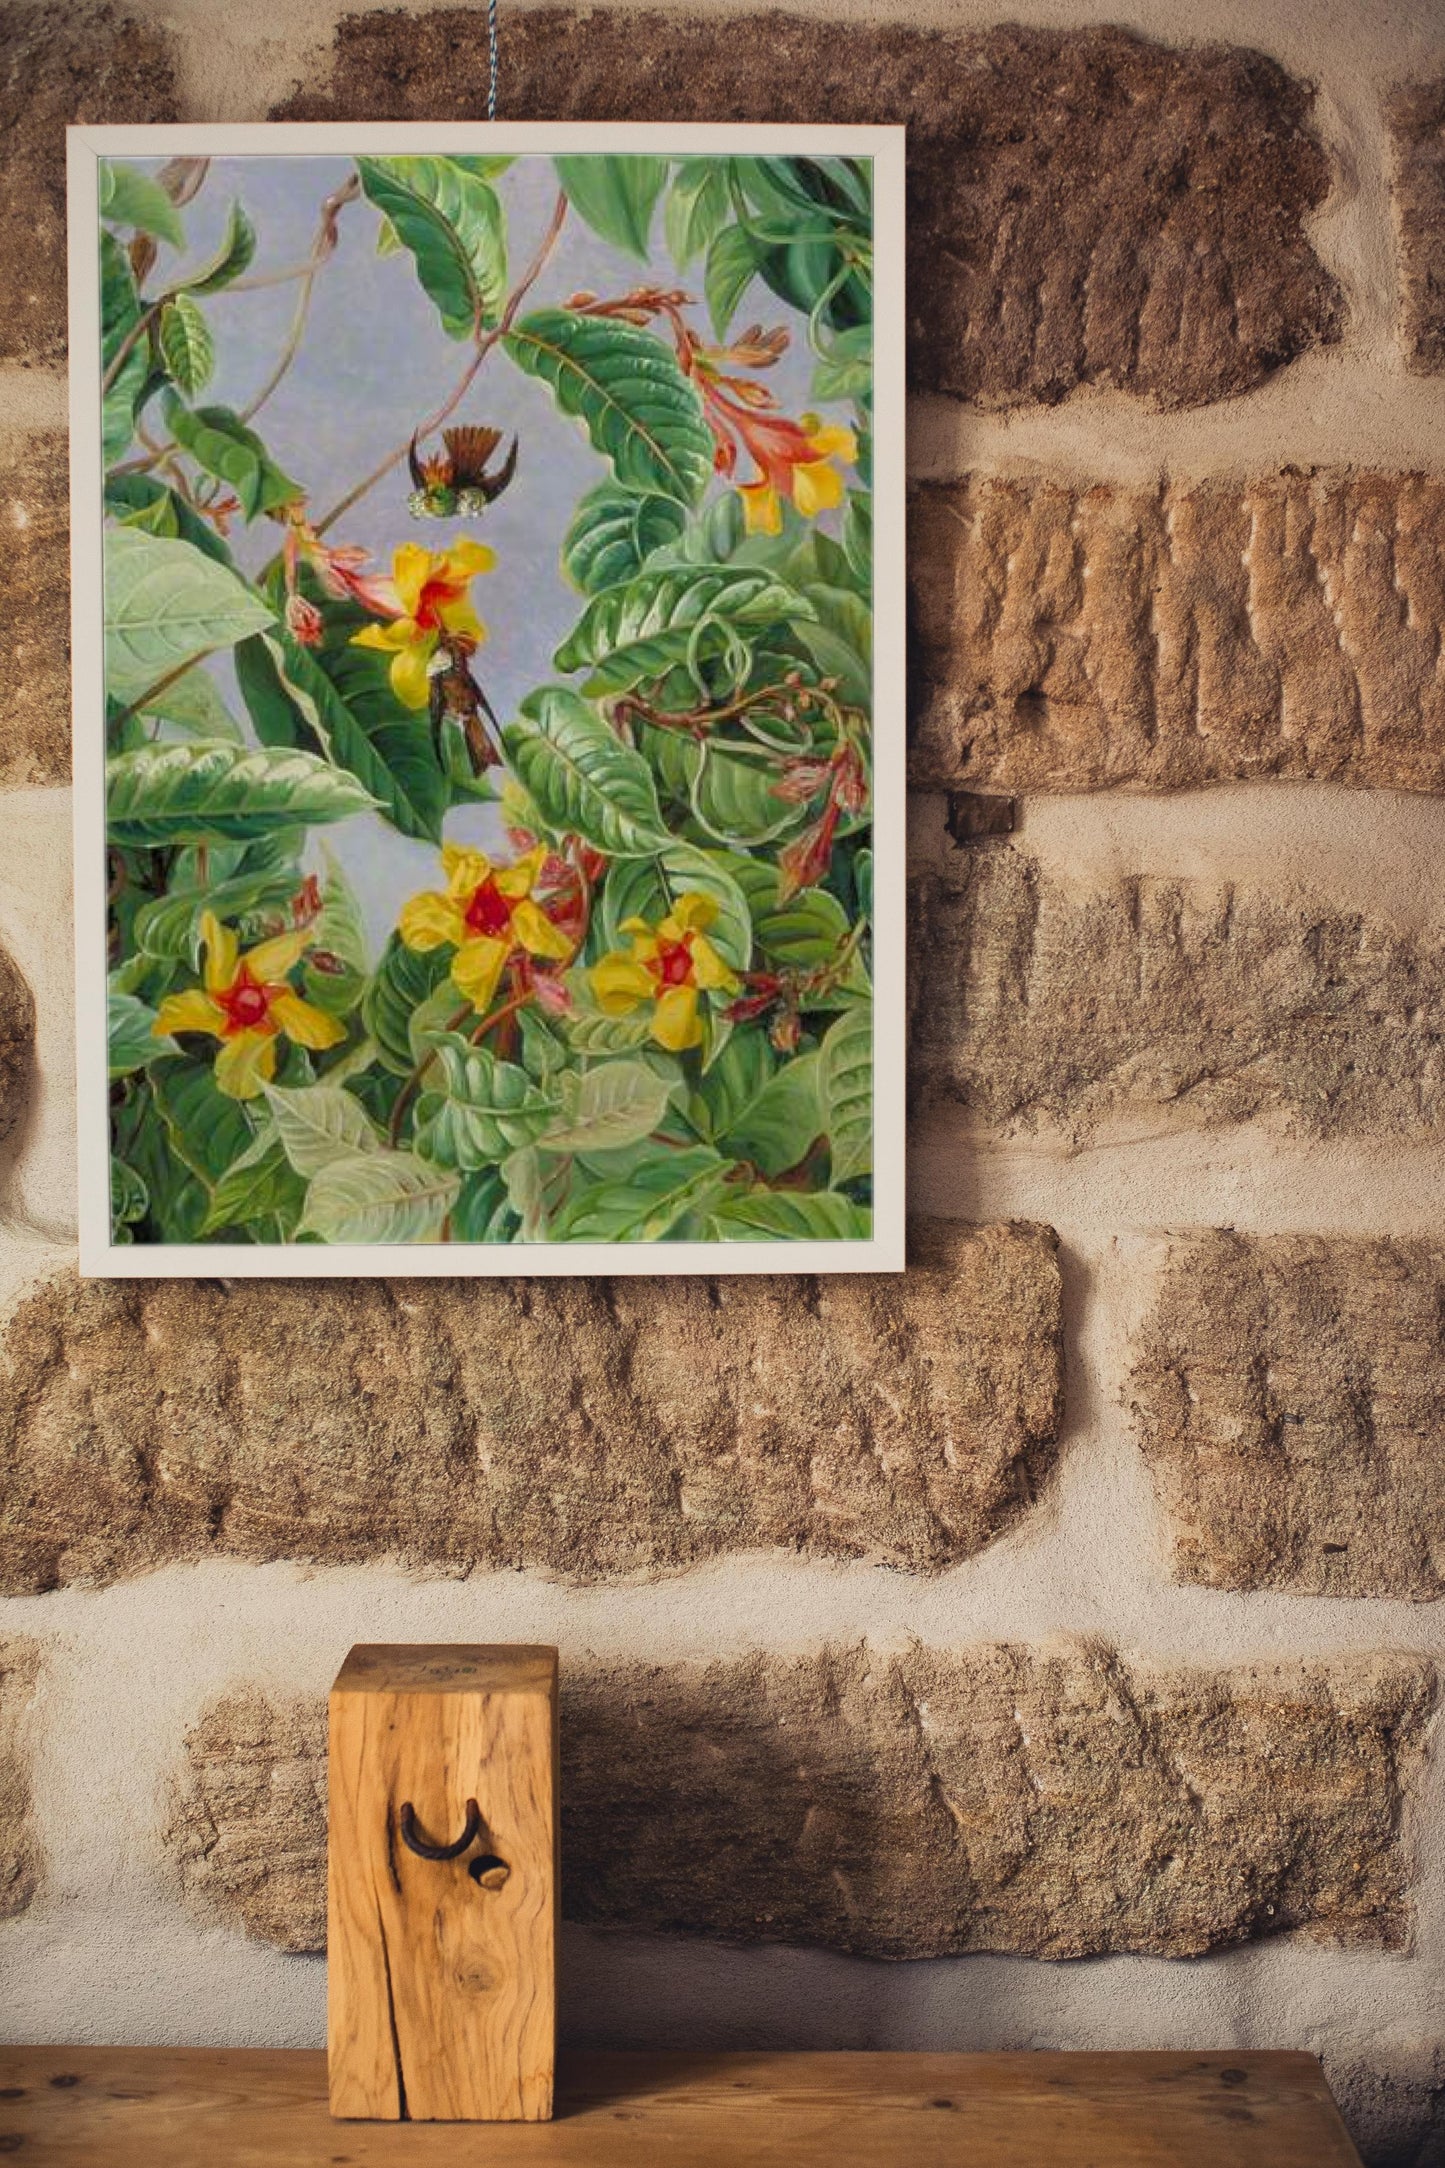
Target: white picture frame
102	1254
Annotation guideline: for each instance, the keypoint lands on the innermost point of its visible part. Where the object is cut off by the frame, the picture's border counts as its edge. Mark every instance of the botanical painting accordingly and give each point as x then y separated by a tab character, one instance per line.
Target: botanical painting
488	574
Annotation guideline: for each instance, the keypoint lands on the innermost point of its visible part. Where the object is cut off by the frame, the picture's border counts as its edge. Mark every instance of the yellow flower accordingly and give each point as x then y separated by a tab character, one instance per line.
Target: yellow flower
431	599
796	461
669	966
247	1002
487	914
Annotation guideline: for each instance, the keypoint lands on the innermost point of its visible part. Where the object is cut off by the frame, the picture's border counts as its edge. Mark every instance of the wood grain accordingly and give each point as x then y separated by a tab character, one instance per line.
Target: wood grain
441	1988
174	2107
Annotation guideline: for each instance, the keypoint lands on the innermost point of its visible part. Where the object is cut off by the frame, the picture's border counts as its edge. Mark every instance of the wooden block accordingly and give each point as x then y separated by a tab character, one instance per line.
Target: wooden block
441	2001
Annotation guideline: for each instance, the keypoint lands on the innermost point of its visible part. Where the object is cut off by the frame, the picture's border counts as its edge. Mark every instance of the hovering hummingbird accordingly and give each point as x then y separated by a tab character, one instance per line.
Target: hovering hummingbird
454	482
453	695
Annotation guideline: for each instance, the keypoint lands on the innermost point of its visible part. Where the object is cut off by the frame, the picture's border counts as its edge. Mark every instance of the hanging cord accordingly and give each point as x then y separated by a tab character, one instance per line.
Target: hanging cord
491	59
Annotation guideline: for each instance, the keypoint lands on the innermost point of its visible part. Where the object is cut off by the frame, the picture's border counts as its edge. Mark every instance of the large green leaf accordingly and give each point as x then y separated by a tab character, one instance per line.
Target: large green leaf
731	788
650	887
139	500
786	1215
379	1197
261	1189
120	312
483	1109
193	704
250	899
613	530
779	1125
130	1038
649	1205
616	194
319	1123
207	1131
677	615
220	442
846	1084
186	345
405	978
626	388
295	699
134	199
582	777
733	262
615	1104
451	220
698	204
226	262
165	604
160	795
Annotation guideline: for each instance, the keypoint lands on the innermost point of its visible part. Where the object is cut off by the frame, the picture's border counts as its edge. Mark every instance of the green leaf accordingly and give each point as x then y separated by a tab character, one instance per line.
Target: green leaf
393	760
319	1123
846	1085
616	195
482	1212
251	899
208	1132
730	788
805	933
186	346
787	1215
845	371
161	795
130	1040
484	1109
339	932
650	888
134	496
405	978
838	634
858	537
697	206
131	198
584	780
451	220
165	604
129	1197
193	704
617	1103
379	1197
260	1185
677	615
645	1208
221	443
776	1128
613	530
626	388
733	262
227	262
120	312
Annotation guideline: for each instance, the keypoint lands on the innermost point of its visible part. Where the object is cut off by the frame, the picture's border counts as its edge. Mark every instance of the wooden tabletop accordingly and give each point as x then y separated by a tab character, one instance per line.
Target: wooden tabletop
266	2108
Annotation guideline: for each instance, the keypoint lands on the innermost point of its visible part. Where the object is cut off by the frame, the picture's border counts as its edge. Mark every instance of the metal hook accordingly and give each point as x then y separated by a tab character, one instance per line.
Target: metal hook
423	1850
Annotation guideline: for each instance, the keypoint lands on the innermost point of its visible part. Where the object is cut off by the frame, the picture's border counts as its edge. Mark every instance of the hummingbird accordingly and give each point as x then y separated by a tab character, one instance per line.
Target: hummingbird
454	483
454	696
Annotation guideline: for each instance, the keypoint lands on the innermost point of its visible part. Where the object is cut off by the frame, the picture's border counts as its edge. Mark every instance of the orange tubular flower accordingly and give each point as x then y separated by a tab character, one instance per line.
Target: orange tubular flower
247	1002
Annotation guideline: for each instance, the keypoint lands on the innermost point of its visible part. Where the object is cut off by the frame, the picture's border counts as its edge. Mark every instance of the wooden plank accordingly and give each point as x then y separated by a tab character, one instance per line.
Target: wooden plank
441	1976
175	2107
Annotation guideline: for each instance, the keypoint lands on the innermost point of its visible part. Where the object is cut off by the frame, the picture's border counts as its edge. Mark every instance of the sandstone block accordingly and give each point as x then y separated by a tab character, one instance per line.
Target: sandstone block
60	65
588	1428
1052	1802
1145	1002
1290	1397
19	1846
1075	638
1085	206
34	610
1416	114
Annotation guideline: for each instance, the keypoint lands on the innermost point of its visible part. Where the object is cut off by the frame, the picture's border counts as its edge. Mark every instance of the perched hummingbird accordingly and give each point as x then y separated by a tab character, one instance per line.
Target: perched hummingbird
453	695
454	483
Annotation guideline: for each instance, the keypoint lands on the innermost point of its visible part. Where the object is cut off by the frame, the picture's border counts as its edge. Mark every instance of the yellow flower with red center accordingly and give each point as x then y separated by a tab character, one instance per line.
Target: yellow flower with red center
670	965
488	914
797	461
247	1002
430	601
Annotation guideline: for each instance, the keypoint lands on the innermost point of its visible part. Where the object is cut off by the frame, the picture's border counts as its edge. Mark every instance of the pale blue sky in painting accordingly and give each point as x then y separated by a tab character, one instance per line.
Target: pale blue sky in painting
374	362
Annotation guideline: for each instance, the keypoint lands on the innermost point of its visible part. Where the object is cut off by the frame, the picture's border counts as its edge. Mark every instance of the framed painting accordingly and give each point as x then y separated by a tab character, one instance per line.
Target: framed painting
489	698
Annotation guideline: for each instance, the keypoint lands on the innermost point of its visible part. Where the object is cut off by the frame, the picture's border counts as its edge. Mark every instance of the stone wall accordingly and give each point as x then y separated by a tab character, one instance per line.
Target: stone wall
1078	1594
